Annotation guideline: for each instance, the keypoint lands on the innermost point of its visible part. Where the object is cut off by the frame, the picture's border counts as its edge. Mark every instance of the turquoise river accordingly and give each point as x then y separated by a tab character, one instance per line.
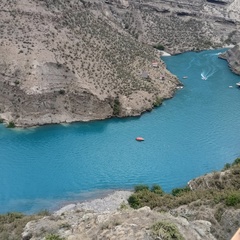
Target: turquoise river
194	133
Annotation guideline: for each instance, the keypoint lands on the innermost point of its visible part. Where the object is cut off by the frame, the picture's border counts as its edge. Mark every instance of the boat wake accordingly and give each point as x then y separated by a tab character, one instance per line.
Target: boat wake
203	77
208	73
211	67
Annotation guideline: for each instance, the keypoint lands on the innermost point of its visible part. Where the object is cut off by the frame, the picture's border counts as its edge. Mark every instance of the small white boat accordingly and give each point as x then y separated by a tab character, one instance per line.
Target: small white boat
185	77
238	84
230	86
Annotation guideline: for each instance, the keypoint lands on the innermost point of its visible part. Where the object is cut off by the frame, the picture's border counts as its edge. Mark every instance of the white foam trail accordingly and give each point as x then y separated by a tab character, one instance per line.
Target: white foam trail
190	64
203	77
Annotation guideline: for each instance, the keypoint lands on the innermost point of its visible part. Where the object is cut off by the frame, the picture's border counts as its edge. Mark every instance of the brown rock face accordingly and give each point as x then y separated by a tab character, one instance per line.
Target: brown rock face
64	61
233	58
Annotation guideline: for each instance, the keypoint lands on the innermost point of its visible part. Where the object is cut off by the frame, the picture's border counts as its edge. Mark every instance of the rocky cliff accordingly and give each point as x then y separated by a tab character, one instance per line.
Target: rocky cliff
233	58
64	61
178	25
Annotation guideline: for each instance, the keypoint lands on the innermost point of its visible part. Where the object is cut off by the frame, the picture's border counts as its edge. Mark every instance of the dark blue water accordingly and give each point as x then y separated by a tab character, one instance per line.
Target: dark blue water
194	133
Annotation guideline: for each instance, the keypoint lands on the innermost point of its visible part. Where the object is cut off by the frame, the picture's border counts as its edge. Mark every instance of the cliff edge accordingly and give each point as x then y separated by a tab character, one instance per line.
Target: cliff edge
233	58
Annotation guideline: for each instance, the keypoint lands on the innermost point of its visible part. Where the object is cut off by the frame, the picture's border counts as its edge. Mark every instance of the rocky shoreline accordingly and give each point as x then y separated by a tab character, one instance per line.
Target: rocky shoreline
232	56
110	218
200	213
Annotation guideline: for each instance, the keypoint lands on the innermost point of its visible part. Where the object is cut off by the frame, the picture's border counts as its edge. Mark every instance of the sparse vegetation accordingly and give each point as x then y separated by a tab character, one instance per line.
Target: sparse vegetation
158	102
166	231
224	190
62	91
159	47
12	224
116	107
11	124
179	191
53	237
87	52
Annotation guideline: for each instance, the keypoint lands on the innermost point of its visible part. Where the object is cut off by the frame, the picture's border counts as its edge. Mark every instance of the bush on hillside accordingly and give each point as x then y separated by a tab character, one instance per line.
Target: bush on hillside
179	191
12	224
53	237
116	107
141	187
165	231
11	125
233	199
157	189
236	162
159	46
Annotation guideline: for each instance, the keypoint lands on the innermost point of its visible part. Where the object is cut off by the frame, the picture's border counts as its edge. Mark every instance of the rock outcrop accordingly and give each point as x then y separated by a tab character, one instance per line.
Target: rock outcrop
233	58
79	221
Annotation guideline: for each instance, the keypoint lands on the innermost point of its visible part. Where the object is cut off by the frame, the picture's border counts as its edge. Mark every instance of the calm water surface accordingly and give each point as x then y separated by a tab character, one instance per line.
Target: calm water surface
194	133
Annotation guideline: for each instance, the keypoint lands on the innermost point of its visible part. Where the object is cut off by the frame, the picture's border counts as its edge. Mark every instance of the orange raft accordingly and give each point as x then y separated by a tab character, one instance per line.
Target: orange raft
140	139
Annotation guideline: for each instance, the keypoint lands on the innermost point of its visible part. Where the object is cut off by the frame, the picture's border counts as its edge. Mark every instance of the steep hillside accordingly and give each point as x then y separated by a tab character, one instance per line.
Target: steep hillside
62	62
178	25
233	58
70	60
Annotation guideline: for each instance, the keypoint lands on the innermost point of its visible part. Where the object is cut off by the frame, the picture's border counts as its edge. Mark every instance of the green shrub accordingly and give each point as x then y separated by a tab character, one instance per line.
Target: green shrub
1	120
116	106
157	189
134	201
236	161
11	125
61	91
53	237
157	102
159	47
226	166
166	231
179	191
233	199
144	198
43	213
141	187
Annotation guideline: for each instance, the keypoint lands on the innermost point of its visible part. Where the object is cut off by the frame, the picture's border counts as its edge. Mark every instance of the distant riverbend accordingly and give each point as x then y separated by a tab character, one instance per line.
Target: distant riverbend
194	133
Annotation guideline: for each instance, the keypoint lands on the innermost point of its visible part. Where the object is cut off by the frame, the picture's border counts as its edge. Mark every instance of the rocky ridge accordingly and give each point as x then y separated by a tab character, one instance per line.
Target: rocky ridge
178	25
77	221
